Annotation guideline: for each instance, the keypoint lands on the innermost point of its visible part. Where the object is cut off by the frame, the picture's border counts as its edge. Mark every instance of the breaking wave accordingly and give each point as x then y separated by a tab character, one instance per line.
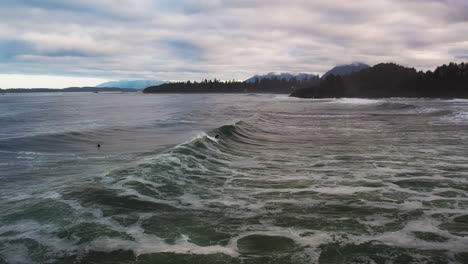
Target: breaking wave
285	187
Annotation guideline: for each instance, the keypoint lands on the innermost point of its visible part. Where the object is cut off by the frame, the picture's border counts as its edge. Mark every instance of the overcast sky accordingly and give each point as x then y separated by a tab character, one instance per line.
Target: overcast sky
59	43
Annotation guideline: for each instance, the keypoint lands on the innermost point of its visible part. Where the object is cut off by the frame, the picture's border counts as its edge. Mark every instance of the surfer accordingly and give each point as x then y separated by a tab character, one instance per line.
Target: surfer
217	136
98	146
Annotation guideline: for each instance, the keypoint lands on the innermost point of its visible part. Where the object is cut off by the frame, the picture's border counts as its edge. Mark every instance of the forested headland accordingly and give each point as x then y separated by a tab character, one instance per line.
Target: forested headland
274	85
392	80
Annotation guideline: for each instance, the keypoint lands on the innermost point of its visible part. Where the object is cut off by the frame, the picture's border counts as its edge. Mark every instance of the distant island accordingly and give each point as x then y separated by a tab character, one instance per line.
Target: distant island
280	83
270	84
353	80
69	89
392	80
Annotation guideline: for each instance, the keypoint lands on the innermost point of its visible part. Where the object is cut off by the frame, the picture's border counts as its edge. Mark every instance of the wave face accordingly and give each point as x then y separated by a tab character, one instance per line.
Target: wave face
291	181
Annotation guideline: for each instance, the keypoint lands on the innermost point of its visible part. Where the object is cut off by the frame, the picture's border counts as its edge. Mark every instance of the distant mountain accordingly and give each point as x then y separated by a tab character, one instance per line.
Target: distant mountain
280	76
346	69
134	84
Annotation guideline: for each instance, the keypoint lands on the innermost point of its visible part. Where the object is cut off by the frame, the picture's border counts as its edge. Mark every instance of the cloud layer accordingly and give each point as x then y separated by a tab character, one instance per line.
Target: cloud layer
226	39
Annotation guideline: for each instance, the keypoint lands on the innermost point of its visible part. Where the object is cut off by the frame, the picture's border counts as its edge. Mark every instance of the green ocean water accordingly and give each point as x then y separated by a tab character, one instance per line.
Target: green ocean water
285	181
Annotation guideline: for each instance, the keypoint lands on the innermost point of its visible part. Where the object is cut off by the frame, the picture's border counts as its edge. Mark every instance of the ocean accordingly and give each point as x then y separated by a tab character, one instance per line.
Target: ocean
232	178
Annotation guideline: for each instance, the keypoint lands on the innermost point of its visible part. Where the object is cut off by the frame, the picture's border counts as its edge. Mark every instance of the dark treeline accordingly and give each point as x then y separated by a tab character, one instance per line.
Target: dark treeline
392	80
273	85
70	89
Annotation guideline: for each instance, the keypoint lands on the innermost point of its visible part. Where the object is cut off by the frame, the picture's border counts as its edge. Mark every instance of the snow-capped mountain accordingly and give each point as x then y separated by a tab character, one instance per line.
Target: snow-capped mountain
280	76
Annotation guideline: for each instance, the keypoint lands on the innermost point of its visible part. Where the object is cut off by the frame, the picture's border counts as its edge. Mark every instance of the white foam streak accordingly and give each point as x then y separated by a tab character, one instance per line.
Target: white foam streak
145	244
356	101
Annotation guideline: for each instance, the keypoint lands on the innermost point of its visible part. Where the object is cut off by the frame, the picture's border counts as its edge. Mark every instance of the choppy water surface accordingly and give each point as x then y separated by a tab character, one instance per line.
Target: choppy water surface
286	181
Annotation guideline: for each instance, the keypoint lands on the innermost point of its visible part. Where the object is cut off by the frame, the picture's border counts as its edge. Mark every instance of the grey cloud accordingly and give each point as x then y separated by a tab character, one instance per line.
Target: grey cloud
183	49
445	11
10	48
188	39
460	53
111	9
